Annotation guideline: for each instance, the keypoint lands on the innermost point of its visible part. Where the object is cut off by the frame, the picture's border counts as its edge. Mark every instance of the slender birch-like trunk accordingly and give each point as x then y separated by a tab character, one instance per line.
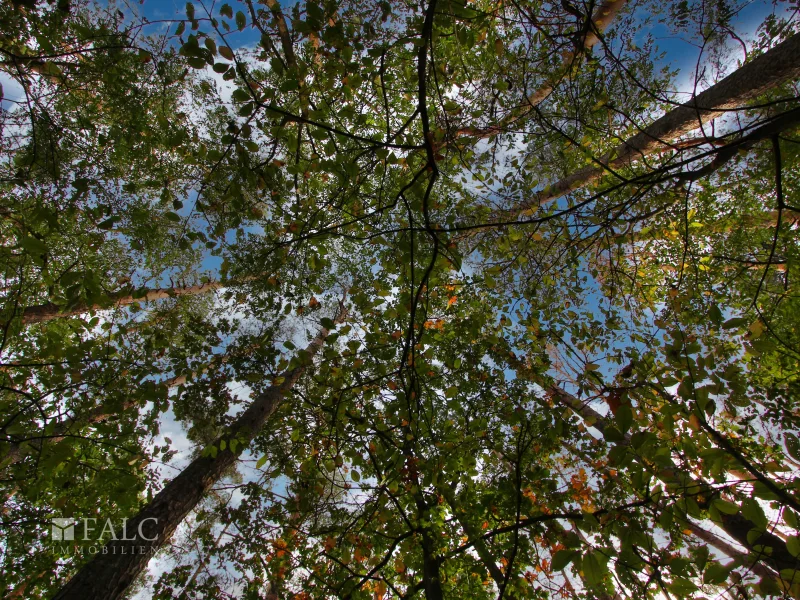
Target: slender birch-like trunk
778	65
114	569
736	526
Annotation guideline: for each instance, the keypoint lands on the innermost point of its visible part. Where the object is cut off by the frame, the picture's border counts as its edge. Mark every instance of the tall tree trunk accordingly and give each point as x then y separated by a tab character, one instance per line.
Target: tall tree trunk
100	413
736	526
473	535
707	537
716	542
96	415
431	577
778	65
599	22
47	312
110	573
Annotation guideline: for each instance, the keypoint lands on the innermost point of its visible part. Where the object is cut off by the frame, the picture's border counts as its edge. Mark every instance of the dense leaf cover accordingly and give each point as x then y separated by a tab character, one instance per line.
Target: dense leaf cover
545	260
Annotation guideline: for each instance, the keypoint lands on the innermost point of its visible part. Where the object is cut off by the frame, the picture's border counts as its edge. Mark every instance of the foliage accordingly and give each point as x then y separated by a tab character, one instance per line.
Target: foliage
585	393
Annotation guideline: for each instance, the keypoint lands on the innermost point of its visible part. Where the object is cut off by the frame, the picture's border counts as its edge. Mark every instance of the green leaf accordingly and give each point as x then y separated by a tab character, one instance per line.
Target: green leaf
592	569
682	587
715	314
624	417
562	558
451	392
241	95
109	223
735	323
790	574
498	47
716	573
33	246
793	545
241	20
261	462
792	445
226	52
724	506
790	518
612	434
752	511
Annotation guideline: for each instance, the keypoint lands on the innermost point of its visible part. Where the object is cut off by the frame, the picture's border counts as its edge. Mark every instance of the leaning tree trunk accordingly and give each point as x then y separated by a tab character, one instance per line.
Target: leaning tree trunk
736	526
778	65
63	429
707	537
75	424
473	535
593	28
41	313
112	571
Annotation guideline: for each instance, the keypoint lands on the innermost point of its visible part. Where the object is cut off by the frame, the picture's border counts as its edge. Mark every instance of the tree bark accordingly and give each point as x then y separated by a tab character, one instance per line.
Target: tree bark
47	312
746	560
95	415
100	413
113	570
600	21
708	537
778	65
431	578
736	526
473	536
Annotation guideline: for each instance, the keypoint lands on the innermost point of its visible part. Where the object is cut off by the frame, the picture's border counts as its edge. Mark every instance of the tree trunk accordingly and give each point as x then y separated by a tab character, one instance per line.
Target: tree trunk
778	65
736	526
110	573
474	537
601	19
746	560
95	415
708	537
431	577
47	312
100	413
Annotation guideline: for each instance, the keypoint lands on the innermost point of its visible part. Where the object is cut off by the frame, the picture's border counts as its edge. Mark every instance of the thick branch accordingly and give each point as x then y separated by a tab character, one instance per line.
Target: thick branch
473	536
600	21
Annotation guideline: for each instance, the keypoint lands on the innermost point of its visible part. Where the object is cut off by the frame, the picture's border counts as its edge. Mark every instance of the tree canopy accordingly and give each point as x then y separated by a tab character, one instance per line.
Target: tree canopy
451	299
